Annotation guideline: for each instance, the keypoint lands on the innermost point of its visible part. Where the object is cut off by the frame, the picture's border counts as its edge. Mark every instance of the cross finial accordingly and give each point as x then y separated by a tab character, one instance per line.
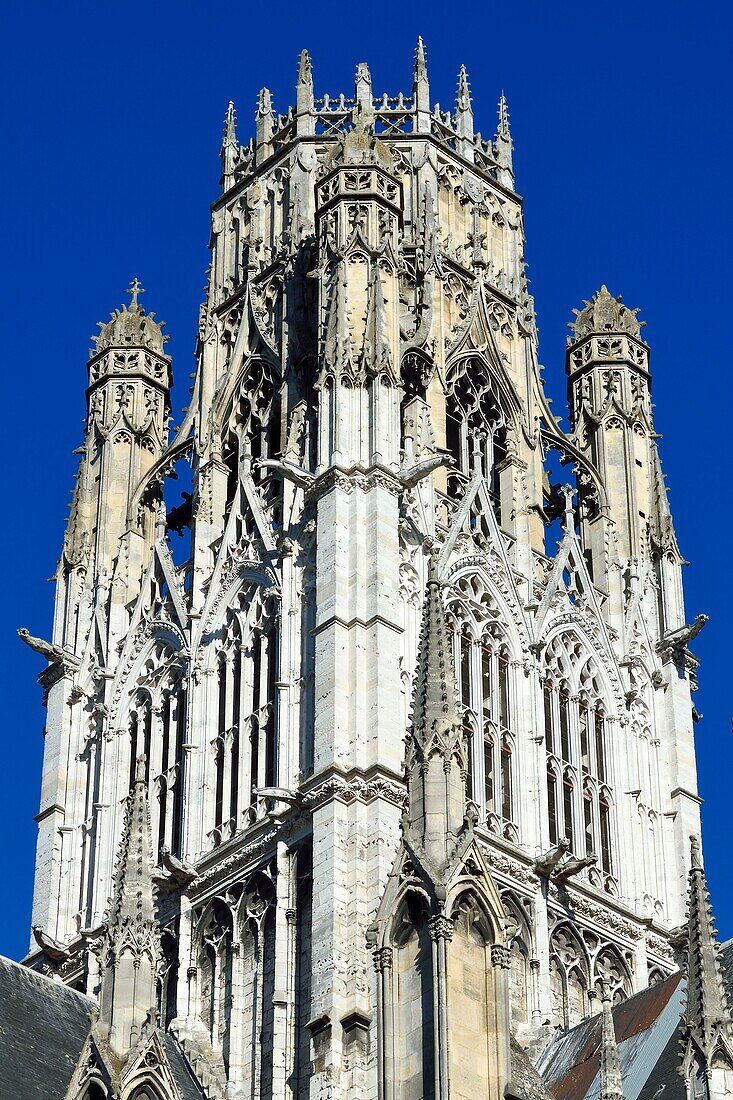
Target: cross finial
133	290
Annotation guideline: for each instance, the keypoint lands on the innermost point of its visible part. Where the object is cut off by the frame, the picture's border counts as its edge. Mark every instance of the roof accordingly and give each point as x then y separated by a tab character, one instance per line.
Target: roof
183	1075
43	1027
644	1025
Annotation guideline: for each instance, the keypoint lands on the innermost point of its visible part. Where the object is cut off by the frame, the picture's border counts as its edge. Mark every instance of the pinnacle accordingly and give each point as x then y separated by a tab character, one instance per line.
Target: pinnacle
611	1081
463	95
435	692
503	130
264	102
230	126
421	68
305	68
706	1001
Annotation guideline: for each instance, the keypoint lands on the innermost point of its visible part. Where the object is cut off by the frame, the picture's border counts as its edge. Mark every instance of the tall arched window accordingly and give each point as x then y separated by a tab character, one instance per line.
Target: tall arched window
244	748
483	671
578	794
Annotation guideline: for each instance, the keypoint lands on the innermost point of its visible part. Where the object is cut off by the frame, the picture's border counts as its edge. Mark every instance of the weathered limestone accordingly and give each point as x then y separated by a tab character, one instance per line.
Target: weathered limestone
380	546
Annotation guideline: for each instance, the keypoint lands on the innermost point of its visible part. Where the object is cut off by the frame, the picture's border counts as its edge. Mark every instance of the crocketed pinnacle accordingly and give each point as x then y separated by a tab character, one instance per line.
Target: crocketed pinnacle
435	708
305	69
264	103
503	130
611	1081
436	750
463	95
131	326
707	1014
230	127
421	67
132	919
376	355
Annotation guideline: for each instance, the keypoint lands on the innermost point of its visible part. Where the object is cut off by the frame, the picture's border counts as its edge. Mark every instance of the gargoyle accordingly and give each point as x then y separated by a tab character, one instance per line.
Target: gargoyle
288	470
50	948
572	866
424	466
54	654
181	872
547	862
683	635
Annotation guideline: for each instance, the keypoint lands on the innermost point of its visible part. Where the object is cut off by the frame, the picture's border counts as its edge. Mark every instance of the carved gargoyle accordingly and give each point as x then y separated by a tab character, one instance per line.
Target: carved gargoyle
288	470
681	637
50	948
54	654
572	866
546	863
181	872
424	466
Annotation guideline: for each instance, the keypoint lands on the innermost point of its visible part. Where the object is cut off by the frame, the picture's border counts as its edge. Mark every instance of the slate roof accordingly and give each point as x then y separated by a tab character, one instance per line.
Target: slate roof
43	1026
649	1036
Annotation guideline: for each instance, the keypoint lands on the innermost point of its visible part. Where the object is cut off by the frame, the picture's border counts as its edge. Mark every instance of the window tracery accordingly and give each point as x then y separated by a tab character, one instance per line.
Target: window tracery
569	977
484	672
244	749
579	796
215	970
476	425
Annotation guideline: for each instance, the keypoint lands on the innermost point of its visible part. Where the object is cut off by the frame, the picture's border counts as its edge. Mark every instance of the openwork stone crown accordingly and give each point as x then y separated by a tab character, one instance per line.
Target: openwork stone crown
604	313
131	326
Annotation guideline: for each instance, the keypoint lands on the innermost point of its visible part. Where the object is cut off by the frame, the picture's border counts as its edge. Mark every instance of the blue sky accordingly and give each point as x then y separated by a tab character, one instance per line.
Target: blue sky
112	119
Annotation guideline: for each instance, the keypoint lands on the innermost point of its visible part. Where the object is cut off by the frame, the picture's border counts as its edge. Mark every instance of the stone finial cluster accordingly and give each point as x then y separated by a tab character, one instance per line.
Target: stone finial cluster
604	313
131	326
334	116
707	1015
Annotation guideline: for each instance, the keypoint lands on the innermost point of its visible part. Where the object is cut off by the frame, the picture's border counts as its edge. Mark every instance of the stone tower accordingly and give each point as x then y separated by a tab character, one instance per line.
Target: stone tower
421	776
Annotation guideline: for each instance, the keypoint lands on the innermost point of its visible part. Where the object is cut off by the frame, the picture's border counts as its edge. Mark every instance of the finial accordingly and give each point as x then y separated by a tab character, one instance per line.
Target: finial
464	116
463	95
305	119
503	145
503	127
305	68
264	102
264	126
421	90
421	67
230	126
133	290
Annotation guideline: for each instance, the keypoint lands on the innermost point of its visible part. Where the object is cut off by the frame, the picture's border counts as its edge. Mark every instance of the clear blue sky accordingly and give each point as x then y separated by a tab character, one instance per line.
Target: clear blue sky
621	116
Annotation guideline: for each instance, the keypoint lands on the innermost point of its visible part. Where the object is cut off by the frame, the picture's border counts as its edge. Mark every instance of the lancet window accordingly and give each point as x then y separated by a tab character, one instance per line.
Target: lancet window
476	426
579	797
156	728
244	748
485	692
215	976
569	977
255	436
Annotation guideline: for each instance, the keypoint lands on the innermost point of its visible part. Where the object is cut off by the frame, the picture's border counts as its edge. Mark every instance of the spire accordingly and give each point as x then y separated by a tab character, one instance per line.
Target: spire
229	146
304	92
436	753
131	941
464	115
611	1082
421	90
264	126
707	1015
376	355
503	145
